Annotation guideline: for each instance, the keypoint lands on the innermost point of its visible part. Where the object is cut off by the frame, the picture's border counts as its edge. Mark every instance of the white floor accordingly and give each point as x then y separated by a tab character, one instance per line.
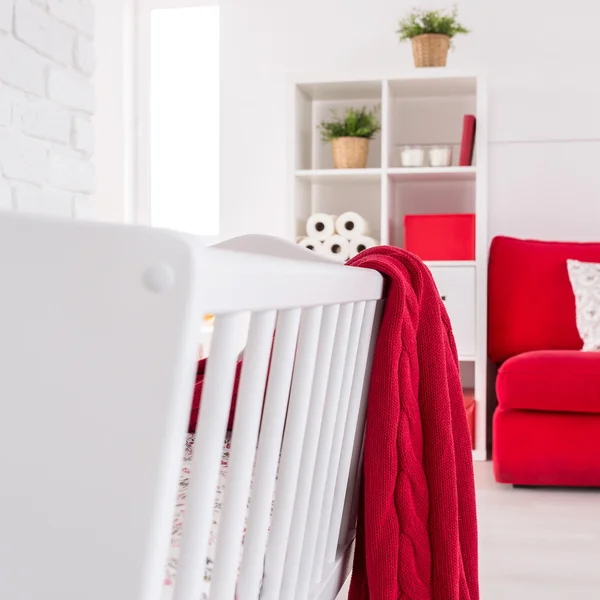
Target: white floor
537	544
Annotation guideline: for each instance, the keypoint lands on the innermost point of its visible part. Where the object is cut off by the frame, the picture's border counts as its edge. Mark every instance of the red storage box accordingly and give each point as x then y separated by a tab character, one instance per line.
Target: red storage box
469	396
440	237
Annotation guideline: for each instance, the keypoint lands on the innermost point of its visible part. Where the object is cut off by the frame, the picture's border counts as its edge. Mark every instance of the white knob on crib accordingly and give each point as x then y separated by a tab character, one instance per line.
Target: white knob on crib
159	278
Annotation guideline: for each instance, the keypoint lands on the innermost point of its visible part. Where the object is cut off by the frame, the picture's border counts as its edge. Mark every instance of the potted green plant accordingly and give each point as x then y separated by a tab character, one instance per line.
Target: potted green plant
431	33
349	136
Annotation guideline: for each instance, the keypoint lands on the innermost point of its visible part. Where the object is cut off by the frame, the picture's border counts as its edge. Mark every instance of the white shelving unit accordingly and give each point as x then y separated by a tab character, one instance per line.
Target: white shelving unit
420	107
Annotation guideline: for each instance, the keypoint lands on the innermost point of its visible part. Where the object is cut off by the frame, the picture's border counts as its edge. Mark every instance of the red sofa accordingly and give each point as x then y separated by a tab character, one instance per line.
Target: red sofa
546	428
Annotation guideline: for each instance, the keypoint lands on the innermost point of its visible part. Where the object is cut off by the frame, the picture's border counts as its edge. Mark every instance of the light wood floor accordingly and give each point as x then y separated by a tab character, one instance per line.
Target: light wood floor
537	544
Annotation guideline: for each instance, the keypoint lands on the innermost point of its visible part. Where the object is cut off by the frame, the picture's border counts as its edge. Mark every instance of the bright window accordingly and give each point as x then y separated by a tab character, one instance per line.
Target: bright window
184	119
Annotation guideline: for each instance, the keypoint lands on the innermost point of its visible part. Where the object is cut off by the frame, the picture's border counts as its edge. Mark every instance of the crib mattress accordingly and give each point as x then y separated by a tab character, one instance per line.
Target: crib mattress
184	476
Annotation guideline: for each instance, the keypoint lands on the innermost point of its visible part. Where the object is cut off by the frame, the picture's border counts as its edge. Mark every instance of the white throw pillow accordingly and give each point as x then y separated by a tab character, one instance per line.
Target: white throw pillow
585	280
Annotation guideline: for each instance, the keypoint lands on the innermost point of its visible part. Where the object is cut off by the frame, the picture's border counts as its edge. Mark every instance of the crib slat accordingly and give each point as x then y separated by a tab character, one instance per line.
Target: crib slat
248	411
338	436
354	423
291	452
350	515
309	451
267	454
332	396
350	502
208	446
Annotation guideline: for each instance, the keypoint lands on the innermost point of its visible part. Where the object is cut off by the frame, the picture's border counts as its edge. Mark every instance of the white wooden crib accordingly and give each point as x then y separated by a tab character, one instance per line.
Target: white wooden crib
98	344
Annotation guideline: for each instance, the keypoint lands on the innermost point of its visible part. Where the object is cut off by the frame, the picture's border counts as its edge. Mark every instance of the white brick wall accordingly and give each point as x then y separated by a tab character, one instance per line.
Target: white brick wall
46	103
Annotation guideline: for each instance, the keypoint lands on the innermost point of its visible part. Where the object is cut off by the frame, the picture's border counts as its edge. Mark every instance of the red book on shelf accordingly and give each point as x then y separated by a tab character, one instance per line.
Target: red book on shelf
468	141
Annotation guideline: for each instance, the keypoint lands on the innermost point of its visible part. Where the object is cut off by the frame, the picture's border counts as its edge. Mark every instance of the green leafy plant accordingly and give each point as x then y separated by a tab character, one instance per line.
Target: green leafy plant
361	123
420	21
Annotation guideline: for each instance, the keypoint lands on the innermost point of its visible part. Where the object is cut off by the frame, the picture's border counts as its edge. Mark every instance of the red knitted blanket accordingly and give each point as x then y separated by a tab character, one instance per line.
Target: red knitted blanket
417	530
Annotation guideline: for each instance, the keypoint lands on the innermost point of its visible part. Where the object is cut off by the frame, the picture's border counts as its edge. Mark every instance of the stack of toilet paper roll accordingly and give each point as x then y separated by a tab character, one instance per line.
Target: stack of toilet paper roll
339	238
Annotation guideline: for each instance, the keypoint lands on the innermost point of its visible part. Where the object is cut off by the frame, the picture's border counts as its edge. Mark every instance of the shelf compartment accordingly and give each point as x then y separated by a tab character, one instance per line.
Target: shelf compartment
427	111
314	103
430	196
335	196
467	371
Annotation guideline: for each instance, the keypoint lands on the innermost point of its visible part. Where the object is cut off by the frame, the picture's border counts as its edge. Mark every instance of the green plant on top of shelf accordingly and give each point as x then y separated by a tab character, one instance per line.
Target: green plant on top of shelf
422	22
431	33
357	123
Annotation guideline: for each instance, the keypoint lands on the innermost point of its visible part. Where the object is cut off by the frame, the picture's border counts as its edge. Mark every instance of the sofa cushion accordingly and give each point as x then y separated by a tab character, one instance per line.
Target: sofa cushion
531	305
585	279
535	448
555	381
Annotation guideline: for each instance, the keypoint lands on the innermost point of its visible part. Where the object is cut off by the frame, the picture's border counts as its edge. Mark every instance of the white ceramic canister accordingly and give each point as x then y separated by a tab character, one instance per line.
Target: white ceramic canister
412	156
440	156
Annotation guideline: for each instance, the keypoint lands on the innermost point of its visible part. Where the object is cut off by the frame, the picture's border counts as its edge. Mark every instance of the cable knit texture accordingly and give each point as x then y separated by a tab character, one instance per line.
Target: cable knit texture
417	529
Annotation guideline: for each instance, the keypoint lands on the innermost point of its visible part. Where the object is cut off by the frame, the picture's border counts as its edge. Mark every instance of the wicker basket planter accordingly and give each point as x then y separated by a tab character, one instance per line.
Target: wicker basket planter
430	50
350	152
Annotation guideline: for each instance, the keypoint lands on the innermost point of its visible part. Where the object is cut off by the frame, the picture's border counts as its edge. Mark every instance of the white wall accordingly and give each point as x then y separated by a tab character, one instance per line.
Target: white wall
46	103
544	80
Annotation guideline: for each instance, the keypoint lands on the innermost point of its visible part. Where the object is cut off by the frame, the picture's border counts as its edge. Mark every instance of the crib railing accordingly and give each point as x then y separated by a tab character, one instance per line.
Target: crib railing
107	315
308	350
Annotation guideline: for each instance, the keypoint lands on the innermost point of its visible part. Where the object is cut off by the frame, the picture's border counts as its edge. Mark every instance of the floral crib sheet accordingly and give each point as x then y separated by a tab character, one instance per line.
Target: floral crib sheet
171	569
184	478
